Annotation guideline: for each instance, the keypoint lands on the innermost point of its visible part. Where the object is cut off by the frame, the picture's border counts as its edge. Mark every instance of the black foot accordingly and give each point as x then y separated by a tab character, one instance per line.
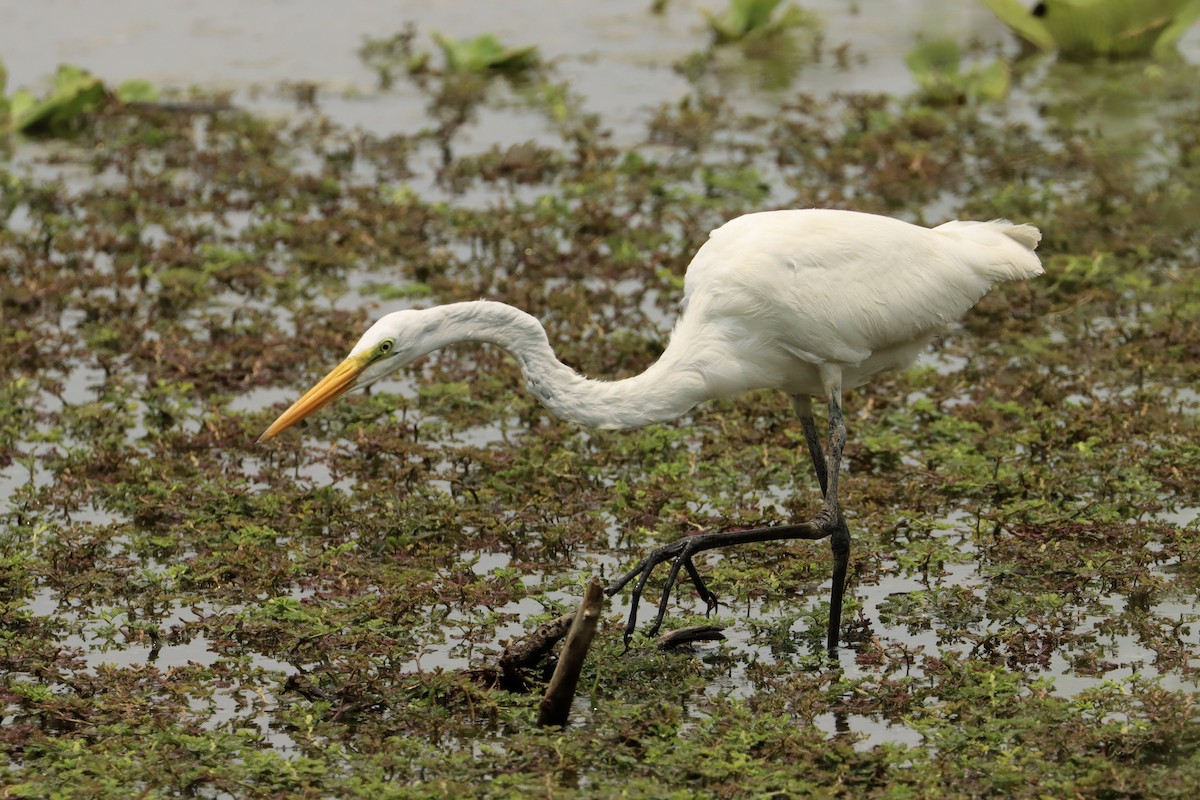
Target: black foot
680	553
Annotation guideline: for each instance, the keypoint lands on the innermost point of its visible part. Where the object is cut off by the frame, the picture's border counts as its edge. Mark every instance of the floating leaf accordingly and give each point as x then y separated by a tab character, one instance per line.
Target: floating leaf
20	104
936	65
137	91
76	93
752	19
484	54
934	57
1108	28
1018	16
1175	31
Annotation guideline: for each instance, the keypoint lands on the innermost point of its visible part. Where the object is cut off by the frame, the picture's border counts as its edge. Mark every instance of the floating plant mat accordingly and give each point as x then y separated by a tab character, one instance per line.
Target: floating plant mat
186	613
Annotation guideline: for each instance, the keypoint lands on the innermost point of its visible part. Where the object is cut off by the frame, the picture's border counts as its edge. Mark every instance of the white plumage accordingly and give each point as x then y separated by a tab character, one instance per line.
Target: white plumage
787	291
809	302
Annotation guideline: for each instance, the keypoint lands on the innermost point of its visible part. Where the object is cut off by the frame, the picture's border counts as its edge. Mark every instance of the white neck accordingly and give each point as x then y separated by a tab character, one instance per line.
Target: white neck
667	389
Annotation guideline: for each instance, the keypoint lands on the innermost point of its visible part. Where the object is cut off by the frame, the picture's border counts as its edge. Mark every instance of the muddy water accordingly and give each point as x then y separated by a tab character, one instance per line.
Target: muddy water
617	54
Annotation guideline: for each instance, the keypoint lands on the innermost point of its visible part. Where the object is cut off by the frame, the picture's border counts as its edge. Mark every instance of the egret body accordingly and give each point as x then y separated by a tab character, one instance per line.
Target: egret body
809	302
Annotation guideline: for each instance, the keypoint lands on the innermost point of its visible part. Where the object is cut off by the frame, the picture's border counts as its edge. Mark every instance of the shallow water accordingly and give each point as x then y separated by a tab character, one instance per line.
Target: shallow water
617	54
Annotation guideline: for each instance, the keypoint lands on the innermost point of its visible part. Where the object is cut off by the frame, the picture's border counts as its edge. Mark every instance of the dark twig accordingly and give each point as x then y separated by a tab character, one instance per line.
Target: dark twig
525	653
695	633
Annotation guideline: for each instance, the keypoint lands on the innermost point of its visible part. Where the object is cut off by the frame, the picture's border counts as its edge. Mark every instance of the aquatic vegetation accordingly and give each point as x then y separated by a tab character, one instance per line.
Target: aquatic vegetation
1083	29
752	45
746	20
76	94
186	614
485	54
937	66
5	104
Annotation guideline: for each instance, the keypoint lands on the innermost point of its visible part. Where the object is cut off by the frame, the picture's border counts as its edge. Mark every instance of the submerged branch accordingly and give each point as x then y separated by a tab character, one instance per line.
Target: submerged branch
556	703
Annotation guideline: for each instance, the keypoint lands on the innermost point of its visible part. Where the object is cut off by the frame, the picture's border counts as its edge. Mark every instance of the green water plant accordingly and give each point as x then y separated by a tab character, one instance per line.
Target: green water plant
4	104
392	55
1083	29
485	54
75	94
771	43
188	614
754	19
936	65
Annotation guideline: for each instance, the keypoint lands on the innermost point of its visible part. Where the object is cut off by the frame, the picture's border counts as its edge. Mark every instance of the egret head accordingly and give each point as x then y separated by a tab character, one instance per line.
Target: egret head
387	345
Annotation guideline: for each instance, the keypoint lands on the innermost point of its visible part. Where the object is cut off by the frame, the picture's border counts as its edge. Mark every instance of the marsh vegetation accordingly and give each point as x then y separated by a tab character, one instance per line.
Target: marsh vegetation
183	613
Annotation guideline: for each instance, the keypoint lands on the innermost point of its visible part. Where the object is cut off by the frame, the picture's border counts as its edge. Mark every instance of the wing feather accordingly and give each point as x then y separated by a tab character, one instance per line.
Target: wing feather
837	286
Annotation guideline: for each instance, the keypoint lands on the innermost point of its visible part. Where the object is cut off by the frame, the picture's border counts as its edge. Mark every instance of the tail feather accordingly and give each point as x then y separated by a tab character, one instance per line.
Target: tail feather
1007	262
1025	235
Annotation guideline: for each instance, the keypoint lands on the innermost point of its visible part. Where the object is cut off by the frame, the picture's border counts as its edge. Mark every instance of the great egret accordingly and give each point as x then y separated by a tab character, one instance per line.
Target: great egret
810	302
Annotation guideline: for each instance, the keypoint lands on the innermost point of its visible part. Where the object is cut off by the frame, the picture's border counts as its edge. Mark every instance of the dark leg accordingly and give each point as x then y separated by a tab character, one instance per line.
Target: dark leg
828	522
802	403
839	543
839	540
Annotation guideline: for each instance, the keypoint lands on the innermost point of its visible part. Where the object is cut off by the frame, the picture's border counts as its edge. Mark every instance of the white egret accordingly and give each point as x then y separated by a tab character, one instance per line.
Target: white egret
809	302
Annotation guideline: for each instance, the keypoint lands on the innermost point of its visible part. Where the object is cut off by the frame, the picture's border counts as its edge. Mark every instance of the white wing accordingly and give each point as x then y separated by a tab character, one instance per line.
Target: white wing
836	286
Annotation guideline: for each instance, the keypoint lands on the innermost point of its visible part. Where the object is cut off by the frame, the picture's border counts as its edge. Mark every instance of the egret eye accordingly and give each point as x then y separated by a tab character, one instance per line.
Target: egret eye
386	346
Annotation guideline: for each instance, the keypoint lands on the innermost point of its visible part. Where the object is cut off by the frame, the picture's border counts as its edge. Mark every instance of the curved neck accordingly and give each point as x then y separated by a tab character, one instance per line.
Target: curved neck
664	391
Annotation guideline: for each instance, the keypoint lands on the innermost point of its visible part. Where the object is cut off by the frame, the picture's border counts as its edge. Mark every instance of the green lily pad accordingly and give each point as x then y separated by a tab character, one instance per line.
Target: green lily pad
75	94
752	19
485	54
1106	28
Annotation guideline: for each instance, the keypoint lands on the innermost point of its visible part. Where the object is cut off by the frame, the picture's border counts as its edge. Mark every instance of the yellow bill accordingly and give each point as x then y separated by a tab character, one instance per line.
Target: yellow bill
328	389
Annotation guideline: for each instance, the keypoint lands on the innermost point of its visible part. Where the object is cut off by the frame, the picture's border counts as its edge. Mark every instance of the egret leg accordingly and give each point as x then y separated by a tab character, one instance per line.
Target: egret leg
828	522
839	543
802	403
839	540
831	509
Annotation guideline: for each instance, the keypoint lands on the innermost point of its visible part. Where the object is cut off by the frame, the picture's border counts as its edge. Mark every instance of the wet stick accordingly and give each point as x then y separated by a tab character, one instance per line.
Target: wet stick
694	633
556	703
527	652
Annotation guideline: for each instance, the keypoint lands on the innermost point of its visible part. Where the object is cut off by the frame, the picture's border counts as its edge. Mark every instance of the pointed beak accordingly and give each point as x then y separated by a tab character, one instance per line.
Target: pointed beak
328	389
